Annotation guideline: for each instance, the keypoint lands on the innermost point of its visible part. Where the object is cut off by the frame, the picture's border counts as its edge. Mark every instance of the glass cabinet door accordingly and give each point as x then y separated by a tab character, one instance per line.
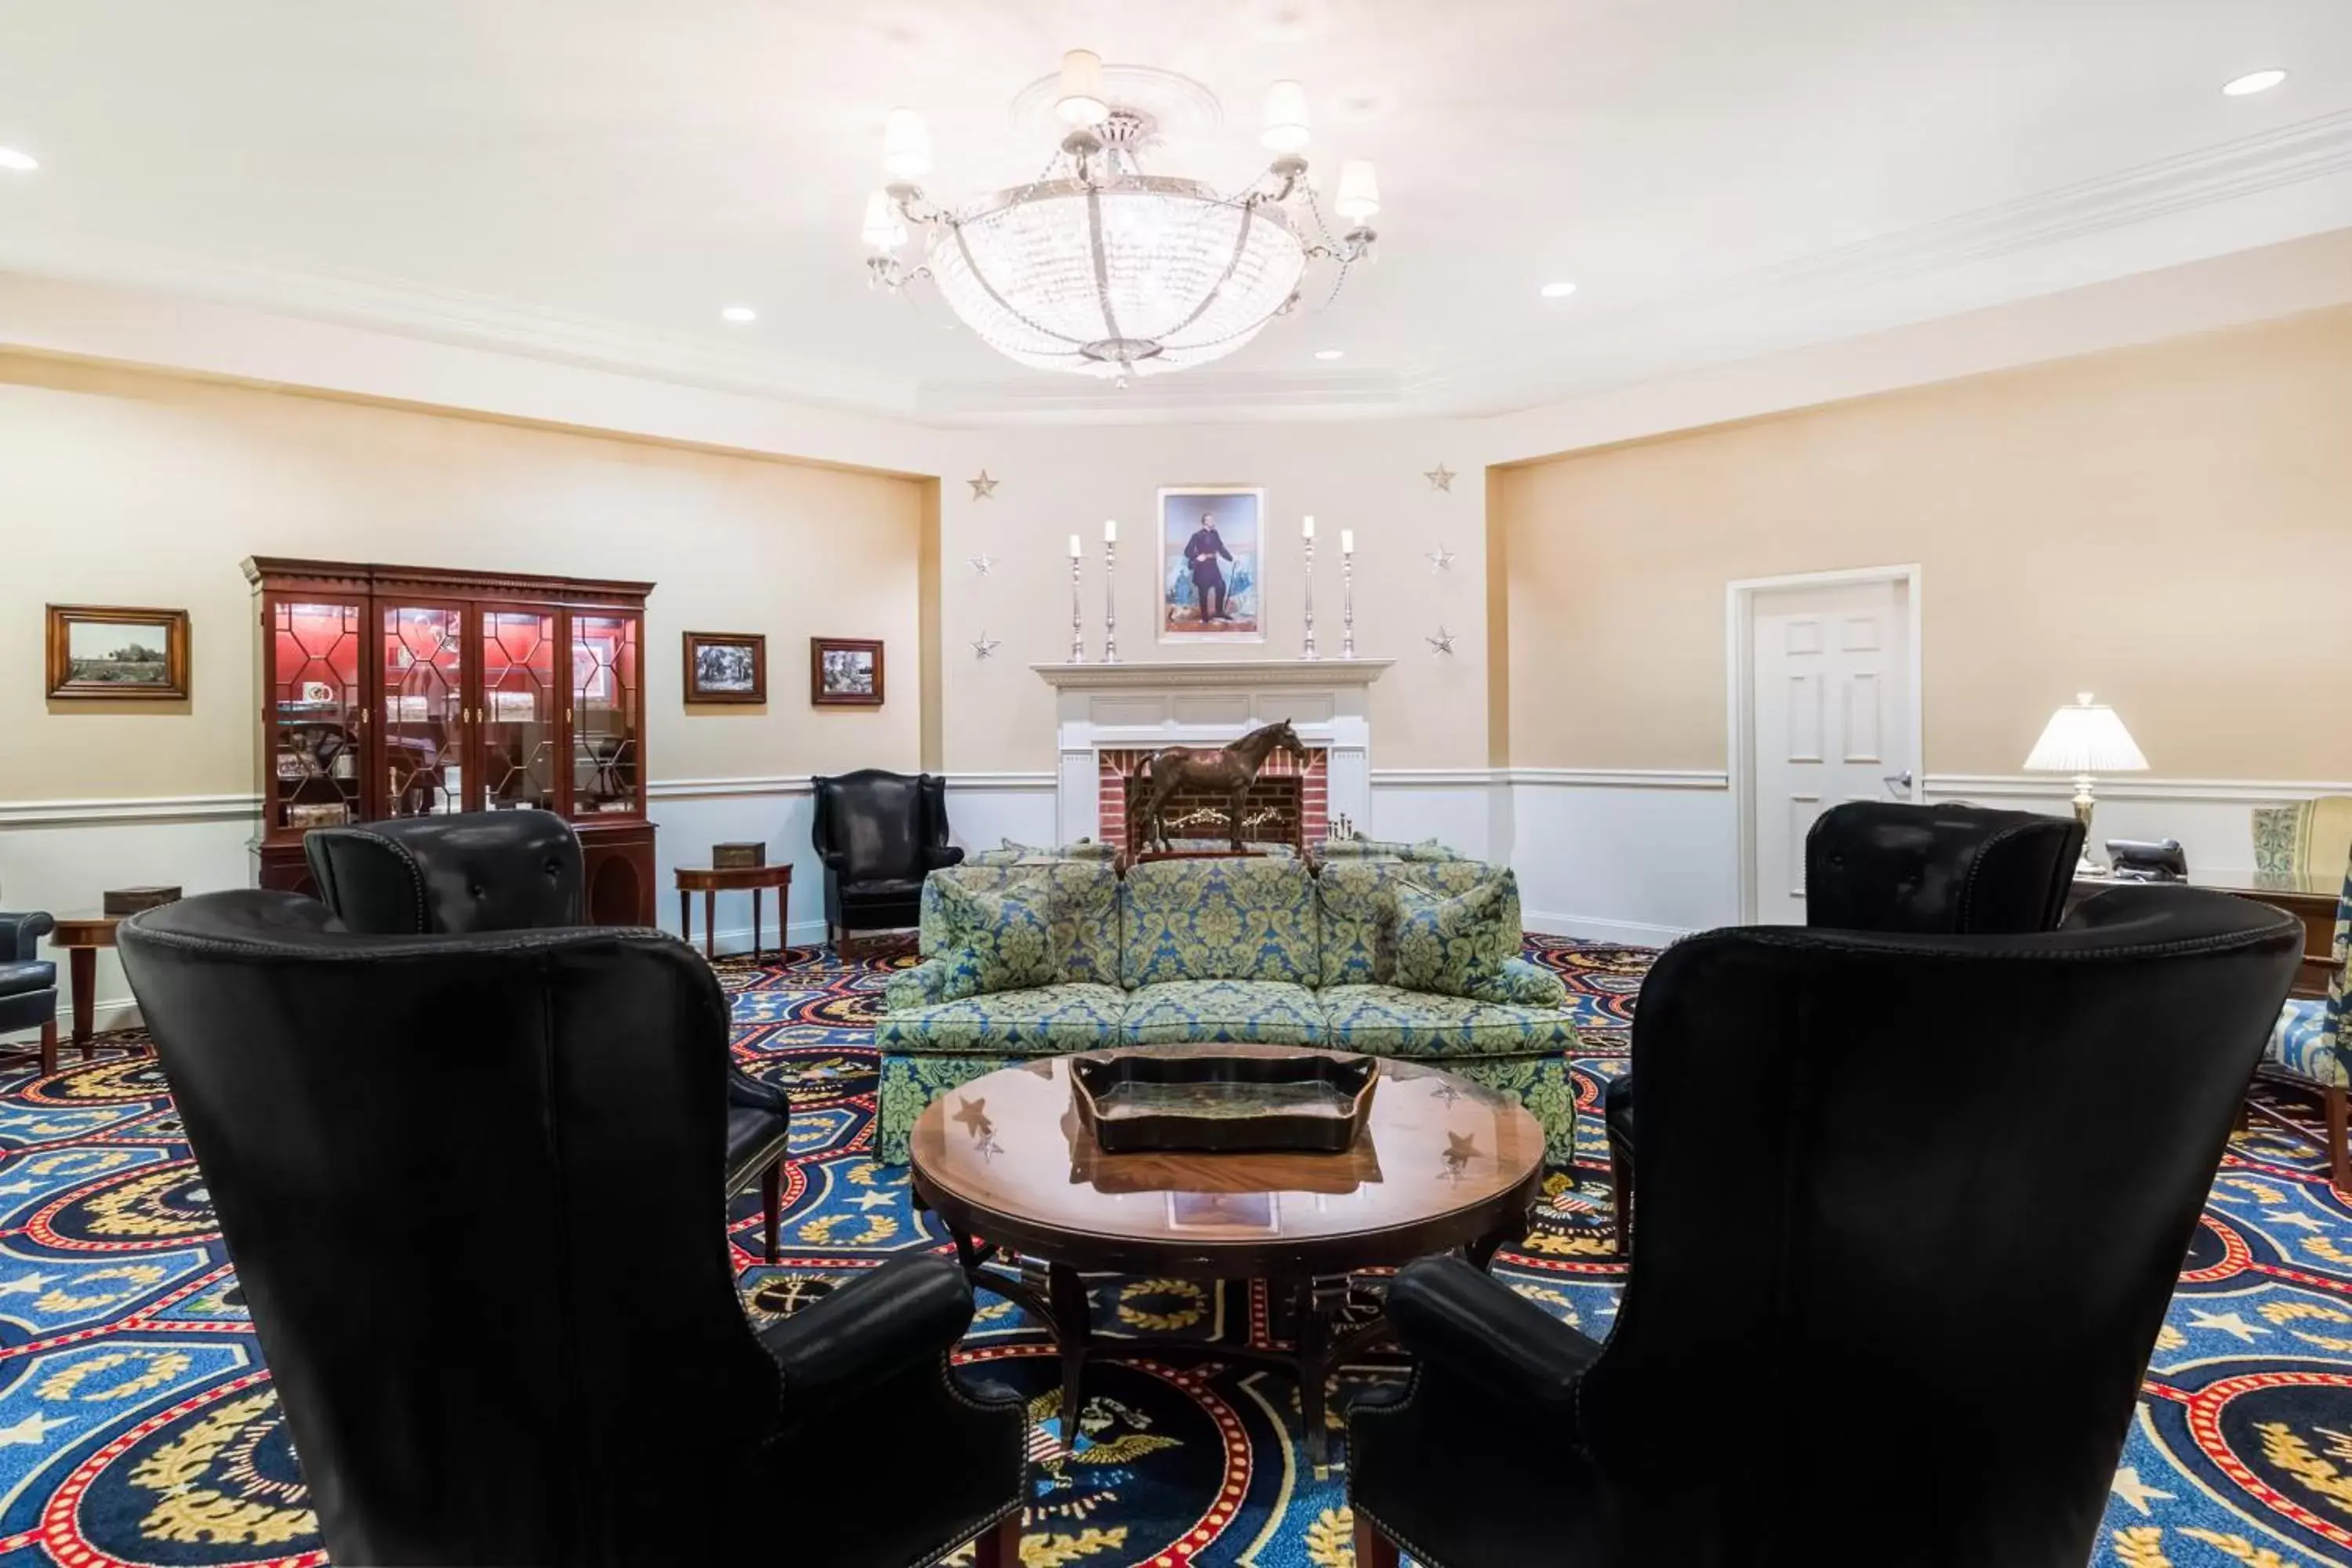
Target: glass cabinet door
521	708
317	653
423	709
607	711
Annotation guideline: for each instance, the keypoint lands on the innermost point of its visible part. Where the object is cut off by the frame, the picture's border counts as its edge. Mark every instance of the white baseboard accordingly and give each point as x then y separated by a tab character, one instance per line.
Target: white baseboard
1587	927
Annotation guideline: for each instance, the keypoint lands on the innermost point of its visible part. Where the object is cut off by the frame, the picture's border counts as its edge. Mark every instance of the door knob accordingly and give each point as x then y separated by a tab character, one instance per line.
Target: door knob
1899	785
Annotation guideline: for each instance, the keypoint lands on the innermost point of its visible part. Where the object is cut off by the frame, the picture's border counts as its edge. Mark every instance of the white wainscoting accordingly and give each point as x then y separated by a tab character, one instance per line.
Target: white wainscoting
1639	856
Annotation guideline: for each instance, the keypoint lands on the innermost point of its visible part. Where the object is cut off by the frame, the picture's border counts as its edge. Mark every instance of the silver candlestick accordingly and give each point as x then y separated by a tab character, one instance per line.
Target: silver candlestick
1110	601
1078	615
1309	652
1347	603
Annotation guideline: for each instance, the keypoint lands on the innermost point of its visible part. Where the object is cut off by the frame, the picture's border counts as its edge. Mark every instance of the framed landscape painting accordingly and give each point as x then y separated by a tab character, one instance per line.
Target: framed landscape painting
1211	564
845	672
111	652
726	666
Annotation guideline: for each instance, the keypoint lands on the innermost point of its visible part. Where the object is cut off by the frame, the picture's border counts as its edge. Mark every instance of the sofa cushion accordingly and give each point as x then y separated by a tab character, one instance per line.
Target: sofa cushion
1455	945
1347	897
1081	906
1043	1021
1006	938
1260	1012
1382	1020
2301	1044
1246	919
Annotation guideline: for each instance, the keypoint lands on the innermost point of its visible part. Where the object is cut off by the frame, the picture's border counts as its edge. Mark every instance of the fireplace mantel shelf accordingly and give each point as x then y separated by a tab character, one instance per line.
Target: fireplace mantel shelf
1199	674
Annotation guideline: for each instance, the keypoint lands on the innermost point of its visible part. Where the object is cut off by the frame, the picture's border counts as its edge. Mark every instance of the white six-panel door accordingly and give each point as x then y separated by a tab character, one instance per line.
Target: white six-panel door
1831	700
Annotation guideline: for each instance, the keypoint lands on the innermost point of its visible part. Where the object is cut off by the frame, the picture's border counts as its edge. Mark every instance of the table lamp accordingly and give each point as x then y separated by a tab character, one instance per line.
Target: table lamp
2085	738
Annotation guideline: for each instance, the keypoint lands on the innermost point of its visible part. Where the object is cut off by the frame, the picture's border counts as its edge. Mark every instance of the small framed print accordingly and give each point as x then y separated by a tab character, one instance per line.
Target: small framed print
328	813
845	672
112	652
726	666
1229	1215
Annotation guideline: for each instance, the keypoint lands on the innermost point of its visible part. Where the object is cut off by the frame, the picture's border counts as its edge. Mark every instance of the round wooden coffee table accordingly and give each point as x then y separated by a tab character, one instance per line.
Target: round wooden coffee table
1004	1162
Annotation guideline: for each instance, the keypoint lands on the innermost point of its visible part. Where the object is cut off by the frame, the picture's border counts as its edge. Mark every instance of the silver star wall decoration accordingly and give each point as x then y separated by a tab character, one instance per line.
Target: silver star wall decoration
983	645
982	562
1442	643
983	487
1441	559
1440	477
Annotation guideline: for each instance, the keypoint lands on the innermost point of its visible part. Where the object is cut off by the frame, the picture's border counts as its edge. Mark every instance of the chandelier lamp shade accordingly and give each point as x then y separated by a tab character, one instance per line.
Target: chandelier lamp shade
1102	268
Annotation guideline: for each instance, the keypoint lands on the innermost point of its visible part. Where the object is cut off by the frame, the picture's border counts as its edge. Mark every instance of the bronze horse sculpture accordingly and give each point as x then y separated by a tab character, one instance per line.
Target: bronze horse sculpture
1227	770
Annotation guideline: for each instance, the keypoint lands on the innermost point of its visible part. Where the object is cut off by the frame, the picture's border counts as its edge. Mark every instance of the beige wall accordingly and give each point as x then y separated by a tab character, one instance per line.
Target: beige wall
2169	526
120	486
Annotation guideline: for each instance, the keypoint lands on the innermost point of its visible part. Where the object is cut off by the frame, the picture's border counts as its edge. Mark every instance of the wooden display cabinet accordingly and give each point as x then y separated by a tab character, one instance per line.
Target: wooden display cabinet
390	691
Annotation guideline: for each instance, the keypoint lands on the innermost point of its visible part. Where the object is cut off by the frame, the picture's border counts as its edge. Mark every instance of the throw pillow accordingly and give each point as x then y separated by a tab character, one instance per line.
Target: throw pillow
1455	946
1000	941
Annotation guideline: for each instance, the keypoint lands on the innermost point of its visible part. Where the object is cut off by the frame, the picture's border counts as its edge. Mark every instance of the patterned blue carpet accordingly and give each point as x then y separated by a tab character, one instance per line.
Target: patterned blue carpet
137	1425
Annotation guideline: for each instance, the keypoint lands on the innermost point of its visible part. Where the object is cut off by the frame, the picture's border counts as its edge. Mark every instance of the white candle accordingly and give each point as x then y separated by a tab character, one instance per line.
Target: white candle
1073	547
1110	530
1309	532
1346	541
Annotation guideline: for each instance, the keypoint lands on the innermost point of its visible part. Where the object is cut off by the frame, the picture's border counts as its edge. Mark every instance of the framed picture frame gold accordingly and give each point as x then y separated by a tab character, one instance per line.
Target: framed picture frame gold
116	653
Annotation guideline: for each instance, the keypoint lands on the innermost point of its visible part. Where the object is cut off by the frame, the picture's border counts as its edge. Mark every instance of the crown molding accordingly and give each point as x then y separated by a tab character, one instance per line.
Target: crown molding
2228	172
458	317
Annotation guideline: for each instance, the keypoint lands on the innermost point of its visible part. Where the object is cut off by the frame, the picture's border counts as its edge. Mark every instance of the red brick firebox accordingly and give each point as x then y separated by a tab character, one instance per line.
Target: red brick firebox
1115	765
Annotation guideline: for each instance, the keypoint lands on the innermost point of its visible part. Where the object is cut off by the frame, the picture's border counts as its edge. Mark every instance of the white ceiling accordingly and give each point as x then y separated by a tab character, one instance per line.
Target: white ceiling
593	179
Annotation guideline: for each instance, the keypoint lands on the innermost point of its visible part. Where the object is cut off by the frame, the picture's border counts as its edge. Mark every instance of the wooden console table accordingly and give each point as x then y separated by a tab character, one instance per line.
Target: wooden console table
712	881
2311	899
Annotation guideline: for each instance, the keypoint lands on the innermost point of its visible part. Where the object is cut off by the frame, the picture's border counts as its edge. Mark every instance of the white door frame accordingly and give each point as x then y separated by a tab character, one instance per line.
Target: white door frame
1740	621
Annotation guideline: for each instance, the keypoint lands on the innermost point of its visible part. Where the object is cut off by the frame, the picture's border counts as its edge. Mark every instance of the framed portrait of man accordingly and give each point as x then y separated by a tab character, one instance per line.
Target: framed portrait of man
1211	564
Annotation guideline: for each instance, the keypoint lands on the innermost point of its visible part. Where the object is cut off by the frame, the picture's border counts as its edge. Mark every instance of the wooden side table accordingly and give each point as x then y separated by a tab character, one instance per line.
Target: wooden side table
81	936
712	881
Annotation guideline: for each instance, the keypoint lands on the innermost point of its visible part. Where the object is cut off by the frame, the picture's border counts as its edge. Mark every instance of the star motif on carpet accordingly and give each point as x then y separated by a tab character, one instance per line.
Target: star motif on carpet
2226	1323
1440	477
870	1201
2135	1492
1441	559
1442	643
2284	1217
982	562
983	487
983	645
26	1284
33	1428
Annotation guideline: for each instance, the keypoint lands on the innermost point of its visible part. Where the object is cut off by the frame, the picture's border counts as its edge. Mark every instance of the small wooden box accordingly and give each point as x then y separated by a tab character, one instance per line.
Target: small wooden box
130	900
733	856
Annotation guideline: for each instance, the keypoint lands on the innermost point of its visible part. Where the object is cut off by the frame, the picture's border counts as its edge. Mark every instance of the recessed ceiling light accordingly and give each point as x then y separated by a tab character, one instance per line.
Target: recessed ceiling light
1559	290
739	313
2253	82
12	158
1330	354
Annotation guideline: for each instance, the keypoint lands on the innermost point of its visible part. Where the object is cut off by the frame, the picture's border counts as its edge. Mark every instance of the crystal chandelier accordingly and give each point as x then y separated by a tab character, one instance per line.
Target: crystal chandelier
1099	268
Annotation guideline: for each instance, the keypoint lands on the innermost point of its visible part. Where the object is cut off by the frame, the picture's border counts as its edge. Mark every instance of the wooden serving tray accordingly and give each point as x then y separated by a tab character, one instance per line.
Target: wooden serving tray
1223	1100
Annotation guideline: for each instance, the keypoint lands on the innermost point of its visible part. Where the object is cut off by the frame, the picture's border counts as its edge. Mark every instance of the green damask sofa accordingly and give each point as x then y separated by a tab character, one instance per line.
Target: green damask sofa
1270	950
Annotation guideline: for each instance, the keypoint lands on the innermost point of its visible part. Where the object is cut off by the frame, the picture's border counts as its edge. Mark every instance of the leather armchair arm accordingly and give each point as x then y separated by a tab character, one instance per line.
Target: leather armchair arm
20	935
908	989
936	857
1462	1322
892	1321
751	1094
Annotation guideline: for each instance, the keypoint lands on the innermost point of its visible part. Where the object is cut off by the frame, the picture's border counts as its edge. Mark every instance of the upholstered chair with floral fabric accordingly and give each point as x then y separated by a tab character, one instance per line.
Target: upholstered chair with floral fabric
2310	1044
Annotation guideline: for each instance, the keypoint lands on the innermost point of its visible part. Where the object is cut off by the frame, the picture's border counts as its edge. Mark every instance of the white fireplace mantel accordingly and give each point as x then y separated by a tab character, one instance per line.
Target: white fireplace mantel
1207	702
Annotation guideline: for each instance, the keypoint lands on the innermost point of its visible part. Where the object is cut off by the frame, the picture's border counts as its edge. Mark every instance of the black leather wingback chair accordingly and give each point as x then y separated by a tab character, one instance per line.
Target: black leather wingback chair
1913	1208
878	835
28	983
467	1184
1883	866
514	870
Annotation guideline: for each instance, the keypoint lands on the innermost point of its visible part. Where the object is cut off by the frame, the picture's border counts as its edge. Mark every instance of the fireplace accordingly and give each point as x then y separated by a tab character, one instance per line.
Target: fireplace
1109	716
1290	802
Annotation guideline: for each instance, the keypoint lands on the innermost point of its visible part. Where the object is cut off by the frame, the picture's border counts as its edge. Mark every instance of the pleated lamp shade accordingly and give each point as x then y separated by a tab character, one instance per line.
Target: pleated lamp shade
2085	737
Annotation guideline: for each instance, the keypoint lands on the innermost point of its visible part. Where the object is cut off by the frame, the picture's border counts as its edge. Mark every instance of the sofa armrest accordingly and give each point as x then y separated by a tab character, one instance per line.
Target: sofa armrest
1464	1323
921	986
20	935
1527	984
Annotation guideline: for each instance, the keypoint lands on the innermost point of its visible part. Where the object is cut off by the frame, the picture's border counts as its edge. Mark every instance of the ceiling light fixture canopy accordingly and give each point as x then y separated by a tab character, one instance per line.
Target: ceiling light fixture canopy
2252	82
1099	268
